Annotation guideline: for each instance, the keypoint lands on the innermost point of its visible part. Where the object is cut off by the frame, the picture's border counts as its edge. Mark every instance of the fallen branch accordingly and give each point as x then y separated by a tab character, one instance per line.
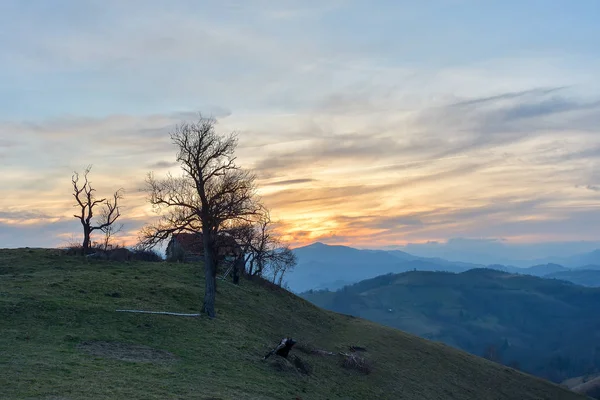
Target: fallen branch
322	352
160	312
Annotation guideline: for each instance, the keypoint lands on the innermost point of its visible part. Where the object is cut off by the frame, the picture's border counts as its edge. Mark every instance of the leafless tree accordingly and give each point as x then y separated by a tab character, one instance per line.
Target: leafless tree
265	252
259	240
212	193
281	261
109	230
87	202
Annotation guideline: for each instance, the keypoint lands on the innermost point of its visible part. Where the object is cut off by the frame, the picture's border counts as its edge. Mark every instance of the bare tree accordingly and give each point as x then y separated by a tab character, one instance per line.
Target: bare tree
109	230
259	240
212	193
281	261
87	202
265	252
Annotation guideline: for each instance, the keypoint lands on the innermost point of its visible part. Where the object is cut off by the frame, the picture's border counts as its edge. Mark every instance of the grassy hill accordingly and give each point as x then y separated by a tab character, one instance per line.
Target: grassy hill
547	327
60	338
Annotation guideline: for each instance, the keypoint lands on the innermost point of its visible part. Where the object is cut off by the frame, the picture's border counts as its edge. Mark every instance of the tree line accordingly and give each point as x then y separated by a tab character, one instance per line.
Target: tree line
213	198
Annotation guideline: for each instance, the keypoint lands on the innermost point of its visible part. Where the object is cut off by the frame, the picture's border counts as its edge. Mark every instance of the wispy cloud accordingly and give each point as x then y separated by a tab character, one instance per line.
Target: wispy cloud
289	182
356	138
163	165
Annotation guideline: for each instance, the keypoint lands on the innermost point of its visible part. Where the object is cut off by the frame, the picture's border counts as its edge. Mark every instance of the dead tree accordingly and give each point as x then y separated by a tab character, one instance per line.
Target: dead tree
212	192
87	202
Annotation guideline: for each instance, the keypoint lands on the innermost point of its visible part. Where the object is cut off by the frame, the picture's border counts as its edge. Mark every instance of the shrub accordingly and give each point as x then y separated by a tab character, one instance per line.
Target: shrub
146	255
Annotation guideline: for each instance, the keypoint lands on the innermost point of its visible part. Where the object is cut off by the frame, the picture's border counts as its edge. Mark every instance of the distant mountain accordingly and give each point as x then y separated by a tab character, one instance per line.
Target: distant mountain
592	258
491	251
586	276
547	327
583	277
542	270
402	255
322	266
575	261
589	267
536	270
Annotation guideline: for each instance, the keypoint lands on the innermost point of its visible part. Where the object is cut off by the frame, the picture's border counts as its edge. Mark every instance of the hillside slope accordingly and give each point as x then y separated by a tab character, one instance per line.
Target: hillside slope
588	385
60	338
548	327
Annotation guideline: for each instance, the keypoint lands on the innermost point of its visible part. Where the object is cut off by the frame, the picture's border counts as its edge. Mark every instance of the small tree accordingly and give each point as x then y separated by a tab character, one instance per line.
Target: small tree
491	353
109	230
282	261
87	202
212	193
265	252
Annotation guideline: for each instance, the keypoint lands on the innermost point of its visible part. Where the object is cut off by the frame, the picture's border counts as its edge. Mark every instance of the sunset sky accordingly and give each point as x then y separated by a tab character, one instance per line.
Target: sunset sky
369	123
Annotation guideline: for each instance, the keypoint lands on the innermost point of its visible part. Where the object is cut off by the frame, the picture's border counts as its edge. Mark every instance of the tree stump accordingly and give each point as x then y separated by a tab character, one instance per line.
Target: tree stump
283	349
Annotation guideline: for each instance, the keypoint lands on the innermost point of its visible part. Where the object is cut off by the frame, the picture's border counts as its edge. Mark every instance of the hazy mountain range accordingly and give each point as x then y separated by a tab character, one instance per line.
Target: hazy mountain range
322	266
496	251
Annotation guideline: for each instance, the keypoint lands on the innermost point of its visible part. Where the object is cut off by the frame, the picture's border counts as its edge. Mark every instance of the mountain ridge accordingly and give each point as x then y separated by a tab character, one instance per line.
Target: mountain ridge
323	266
548	326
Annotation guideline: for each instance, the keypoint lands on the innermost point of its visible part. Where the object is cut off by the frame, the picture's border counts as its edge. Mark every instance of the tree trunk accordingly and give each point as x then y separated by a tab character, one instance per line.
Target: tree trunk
237	267
209	274
86	241
251	268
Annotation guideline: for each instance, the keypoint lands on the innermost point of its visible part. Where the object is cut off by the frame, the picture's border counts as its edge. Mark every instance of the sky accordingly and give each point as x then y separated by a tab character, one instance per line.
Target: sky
371	124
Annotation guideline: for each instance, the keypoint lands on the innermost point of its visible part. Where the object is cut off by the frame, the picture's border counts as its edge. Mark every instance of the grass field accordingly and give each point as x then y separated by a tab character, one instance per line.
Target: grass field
60	338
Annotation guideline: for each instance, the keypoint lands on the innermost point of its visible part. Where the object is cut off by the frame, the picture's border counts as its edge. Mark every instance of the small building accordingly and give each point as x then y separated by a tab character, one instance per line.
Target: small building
189	247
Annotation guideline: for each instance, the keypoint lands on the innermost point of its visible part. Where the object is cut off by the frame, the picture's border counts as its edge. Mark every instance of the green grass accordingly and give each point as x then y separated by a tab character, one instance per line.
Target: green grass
51	303
549	328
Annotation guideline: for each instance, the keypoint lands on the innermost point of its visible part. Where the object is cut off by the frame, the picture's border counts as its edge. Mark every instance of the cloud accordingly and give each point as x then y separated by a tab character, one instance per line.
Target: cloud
28	230
23	216
36	235
507	96
289	182
355	164
324	197
163	164
349	134
378	222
